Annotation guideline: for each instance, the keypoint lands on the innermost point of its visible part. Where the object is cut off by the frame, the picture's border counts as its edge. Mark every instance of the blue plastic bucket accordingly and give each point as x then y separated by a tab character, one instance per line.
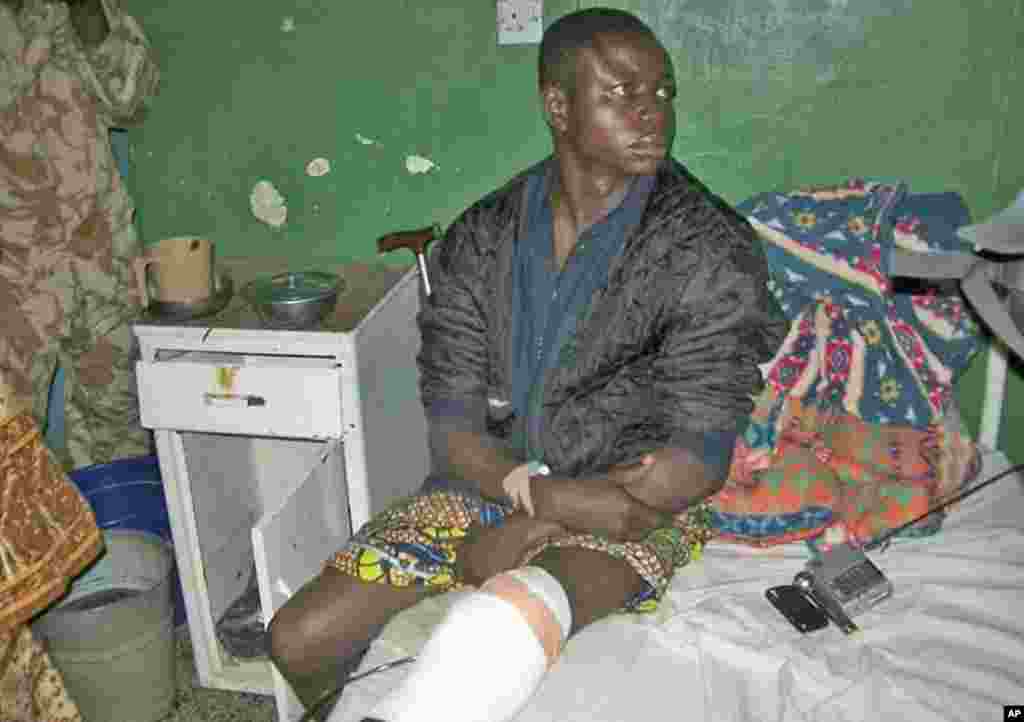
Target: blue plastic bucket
129	494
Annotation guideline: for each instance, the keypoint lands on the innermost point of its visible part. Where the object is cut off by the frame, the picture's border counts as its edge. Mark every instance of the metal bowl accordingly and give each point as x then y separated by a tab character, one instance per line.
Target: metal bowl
294	300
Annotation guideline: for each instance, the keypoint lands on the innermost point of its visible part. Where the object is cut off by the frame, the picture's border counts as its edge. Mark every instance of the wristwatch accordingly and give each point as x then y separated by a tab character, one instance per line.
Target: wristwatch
537	468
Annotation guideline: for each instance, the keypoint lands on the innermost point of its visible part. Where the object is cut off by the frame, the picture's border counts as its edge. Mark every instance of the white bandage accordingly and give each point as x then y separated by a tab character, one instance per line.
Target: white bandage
486	658
549	590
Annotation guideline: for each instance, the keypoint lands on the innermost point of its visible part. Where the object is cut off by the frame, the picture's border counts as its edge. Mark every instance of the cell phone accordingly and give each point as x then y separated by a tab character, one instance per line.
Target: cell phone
802	611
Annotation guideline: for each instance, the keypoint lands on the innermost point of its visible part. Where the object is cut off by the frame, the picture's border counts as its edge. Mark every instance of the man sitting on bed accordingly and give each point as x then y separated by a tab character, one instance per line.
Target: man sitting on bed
589	355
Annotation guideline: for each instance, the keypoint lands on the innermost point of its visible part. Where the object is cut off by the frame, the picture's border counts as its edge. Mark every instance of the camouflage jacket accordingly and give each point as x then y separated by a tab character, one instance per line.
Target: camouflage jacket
59	186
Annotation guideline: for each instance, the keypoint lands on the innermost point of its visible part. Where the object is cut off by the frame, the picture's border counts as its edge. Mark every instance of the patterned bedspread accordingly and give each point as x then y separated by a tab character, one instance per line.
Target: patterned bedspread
857	430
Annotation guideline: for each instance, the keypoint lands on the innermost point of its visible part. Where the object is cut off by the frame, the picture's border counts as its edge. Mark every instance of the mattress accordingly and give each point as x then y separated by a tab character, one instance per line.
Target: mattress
948	645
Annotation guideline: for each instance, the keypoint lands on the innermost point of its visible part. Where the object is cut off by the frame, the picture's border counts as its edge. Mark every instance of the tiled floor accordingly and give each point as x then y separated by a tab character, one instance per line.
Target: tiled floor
197	704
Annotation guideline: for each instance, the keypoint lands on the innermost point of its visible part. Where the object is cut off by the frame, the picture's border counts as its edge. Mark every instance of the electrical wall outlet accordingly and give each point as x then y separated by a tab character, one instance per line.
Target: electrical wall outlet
520	22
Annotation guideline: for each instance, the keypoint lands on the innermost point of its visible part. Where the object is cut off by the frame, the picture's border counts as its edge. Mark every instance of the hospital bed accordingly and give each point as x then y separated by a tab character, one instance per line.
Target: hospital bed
948	644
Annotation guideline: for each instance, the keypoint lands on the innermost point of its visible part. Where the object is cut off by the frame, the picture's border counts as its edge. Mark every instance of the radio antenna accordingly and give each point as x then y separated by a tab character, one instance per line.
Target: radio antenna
884	539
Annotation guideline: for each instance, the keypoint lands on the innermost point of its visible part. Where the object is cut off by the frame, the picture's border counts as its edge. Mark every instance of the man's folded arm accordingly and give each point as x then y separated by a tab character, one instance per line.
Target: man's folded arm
463	453
722	325
454	361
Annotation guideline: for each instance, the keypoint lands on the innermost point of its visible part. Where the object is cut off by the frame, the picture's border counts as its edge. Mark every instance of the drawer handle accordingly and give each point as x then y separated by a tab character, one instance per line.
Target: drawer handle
236	400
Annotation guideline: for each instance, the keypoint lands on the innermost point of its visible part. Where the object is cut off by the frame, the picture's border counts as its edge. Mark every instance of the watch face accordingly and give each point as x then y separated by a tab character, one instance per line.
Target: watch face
537	468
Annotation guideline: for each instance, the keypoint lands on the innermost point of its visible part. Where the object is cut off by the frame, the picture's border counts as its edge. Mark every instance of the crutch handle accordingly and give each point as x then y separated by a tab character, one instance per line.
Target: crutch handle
416	240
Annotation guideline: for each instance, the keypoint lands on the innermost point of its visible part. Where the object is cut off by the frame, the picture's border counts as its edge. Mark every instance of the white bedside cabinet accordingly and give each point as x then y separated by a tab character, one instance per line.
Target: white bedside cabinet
273	446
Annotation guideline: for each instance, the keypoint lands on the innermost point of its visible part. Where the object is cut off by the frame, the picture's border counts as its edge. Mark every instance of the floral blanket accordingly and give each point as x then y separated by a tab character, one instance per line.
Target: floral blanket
856	432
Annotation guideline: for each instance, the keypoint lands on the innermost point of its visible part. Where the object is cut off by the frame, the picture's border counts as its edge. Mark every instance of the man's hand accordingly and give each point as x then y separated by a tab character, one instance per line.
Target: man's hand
491	550
597	505
671	480
628	501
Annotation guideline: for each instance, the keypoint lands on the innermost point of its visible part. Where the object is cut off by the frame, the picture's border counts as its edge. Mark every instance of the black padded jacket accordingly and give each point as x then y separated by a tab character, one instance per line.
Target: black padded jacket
667	351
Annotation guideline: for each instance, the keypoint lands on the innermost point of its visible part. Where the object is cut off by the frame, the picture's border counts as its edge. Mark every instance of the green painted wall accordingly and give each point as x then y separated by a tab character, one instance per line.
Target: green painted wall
244	101
774	93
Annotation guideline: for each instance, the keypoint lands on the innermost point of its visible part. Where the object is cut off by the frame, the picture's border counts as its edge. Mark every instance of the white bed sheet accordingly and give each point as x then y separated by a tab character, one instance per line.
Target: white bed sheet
949	644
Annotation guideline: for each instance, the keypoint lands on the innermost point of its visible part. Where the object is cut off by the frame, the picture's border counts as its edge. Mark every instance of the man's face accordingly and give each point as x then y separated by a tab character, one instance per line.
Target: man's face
619	119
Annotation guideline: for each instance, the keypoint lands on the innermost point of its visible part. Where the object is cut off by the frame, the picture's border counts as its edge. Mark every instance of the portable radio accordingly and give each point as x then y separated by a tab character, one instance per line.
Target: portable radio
843	582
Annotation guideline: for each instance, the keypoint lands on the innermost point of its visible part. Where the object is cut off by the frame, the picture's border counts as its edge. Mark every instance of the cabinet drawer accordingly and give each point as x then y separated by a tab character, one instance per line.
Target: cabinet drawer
294	397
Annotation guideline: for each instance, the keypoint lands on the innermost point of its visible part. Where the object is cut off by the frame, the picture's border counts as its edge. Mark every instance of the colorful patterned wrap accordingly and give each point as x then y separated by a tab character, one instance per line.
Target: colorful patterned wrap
416	541
856	431
48	535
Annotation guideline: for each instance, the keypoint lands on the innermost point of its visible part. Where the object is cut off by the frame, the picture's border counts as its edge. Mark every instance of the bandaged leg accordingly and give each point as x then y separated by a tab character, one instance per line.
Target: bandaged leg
488	655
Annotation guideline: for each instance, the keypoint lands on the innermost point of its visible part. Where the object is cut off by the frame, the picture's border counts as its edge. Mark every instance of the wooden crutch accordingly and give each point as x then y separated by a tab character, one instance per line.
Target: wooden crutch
417	242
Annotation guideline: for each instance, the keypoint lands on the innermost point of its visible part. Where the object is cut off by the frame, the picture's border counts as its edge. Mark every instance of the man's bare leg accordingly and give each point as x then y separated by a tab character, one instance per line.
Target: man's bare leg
318	635
597	584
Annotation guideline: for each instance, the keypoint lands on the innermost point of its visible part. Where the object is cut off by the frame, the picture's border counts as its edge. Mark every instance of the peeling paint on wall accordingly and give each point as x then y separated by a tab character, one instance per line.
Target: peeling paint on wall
417	164
318	167
268	204
363	140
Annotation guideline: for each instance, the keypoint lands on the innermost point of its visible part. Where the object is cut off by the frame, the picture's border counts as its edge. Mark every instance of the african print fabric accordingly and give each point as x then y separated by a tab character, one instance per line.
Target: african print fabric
32	689
416	542
48	535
